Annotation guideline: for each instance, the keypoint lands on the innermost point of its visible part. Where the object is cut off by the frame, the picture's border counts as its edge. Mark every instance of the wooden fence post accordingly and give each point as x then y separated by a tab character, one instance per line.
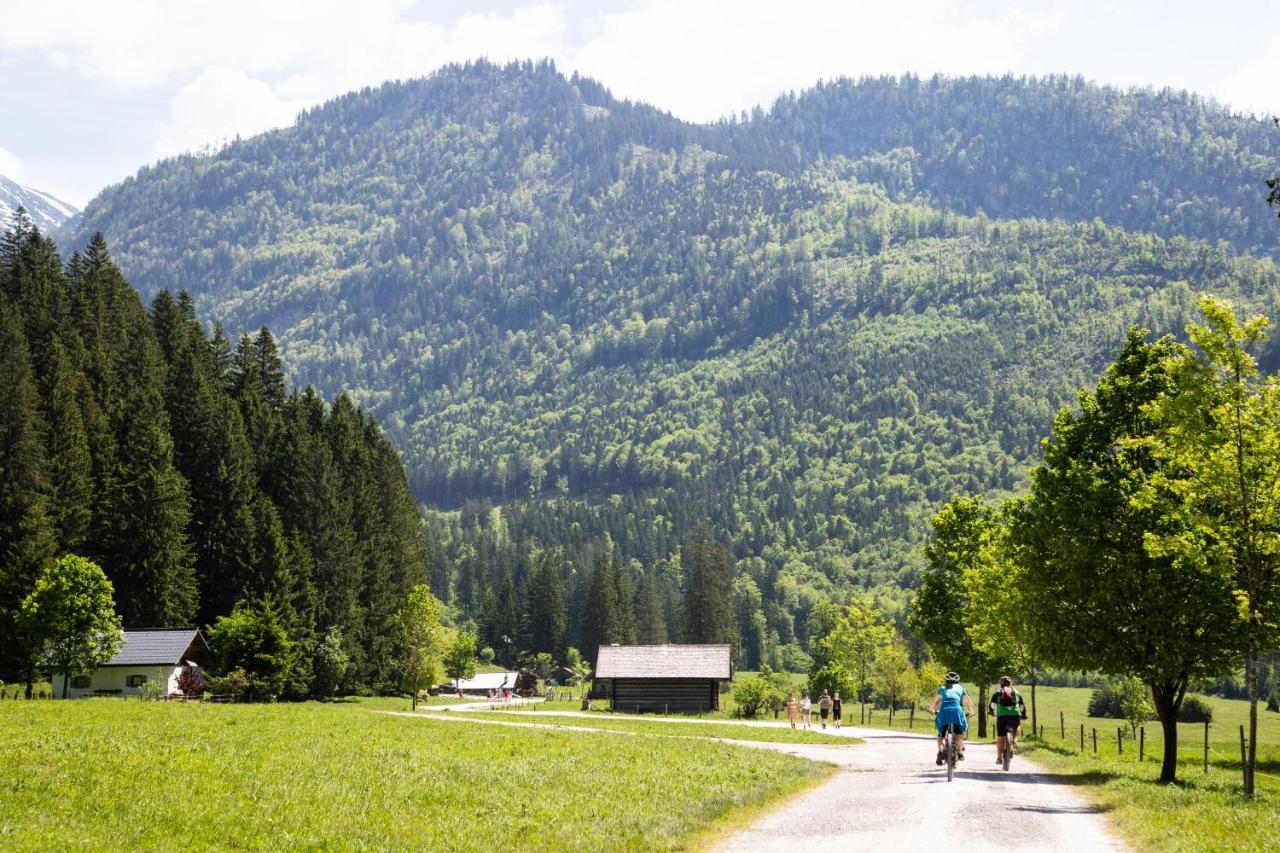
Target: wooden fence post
1206	746
1082	737
1095	741
1062	723
911	718
1119	741
1142	743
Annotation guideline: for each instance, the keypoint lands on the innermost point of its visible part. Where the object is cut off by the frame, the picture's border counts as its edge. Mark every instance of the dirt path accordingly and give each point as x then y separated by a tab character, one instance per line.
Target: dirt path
888	794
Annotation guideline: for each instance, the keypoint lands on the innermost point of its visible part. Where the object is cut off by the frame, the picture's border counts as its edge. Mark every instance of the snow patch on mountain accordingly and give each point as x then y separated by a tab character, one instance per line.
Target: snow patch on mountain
46	211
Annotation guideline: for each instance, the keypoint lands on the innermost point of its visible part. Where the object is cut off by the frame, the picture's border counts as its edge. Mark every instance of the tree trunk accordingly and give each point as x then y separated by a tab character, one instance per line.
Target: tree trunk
1034	727
1168	699
66	678
31	683
1251	679
982	710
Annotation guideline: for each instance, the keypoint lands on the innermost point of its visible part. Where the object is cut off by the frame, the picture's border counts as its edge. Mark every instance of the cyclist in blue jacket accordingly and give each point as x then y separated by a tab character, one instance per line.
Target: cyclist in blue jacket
952	707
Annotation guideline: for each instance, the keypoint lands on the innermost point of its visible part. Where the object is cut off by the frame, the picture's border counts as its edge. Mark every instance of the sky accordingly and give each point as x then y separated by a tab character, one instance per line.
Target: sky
90	91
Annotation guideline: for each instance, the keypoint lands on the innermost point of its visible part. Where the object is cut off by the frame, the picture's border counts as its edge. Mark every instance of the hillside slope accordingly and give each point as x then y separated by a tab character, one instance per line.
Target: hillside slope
548	294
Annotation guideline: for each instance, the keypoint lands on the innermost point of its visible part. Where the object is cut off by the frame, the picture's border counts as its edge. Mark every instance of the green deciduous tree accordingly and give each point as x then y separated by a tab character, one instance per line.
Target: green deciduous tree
847	651
421	640
893	678
1103	597
460	657
71	617
1222	438
943	609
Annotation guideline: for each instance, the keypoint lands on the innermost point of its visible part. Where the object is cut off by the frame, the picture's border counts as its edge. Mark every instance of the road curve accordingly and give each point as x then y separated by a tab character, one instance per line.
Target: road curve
888	795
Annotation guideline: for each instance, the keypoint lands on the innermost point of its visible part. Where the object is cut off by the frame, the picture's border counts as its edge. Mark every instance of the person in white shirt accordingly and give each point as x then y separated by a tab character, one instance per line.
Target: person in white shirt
806	709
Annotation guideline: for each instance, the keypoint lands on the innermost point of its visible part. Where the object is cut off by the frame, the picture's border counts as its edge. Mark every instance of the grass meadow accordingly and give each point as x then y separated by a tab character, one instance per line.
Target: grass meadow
112	773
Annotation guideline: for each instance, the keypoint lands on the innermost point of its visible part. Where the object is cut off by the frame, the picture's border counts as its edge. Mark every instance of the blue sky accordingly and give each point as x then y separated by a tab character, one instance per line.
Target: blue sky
91	90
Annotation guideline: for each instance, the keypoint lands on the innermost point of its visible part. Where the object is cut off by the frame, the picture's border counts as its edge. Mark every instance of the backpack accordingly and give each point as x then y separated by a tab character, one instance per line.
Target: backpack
1008	700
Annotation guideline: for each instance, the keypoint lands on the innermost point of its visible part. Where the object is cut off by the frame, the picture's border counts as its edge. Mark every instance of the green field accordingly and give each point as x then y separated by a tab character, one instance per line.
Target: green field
669	728
125	774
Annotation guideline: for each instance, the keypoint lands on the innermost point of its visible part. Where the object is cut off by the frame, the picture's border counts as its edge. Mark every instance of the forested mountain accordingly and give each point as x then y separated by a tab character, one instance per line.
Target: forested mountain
589	325
179	462
45	211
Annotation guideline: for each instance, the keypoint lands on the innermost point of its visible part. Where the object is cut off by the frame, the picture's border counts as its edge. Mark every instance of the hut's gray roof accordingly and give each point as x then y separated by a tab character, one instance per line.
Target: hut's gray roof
158	647
671	661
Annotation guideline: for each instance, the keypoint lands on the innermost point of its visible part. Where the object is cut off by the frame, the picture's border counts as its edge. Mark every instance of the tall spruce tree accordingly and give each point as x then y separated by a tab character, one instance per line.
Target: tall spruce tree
708	599
27	538
70	464
651	618
545	619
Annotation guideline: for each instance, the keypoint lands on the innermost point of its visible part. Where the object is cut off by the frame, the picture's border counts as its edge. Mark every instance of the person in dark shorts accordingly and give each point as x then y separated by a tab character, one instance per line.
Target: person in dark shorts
1010	711
836	709
824	707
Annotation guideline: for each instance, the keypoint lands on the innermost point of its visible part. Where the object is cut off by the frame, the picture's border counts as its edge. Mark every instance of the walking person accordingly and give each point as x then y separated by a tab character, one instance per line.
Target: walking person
806	709
792	708
836	709
824	707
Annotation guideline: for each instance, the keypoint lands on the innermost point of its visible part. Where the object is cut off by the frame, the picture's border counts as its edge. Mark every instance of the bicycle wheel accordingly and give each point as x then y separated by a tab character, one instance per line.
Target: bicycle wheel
951	759
1008	752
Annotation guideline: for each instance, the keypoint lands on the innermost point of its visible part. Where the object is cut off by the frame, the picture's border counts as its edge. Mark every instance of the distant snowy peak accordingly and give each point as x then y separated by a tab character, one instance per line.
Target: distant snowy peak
46	211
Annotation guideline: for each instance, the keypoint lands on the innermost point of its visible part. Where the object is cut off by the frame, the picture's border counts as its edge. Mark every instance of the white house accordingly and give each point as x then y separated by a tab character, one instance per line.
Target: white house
483	682
159	654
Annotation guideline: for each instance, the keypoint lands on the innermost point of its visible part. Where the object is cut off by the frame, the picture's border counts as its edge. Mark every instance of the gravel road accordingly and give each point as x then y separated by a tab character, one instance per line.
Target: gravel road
888	795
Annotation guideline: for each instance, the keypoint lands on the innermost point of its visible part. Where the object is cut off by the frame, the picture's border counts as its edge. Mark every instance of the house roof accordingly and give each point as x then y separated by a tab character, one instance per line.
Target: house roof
160	647
670	661
487	681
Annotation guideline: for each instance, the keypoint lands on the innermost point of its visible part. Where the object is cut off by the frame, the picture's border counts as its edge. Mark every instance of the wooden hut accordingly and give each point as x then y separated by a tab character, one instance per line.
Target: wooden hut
663	678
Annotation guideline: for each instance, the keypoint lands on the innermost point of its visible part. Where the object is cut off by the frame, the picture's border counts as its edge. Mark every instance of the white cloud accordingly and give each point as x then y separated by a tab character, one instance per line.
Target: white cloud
11	165
703	60
219	104
1253	87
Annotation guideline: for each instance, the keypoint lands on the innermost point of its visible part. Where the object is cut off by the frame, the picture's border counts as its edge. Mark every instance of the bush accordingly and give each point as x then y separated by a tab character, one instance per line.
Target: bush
253	640
235	684
1195	709
1105	701
153	690
191	682
755	693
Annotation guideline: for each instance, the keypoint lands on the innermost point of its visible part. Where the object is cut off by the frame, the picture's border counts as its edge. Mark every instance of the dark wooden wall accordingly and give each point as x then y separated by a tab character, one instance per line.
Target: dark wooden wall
665	694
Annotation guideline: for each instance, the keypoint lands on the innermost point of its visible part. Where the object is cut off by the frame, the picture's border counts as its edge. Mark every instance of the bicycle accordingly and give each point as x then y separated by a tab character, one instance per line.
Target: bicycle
950	755
1010	743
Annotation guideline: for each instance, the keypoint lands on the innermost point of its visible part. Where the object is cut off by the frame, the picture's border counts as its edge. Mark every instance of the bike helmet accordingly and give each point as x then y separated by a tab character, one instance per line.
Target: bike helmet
1005	682
952	678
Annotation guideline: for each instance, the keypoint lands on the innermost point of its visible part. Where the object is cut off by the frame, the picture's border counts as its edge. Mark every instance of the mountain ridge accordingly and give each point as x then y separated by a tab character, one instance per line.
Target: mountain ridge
585	327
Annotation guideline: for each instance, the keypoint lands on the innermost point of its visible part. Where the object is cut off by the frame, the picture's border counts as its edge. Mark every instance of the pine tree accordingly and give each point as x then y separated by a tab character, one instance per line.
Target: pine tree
651	620
545	618
27	538
70	464
270	368
708	601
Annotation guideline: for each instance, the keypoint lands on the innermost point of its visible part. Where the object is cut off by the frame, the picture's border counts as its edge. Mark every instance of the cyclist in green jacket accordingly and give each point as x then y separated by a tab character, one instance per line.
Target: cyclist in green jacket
1009	711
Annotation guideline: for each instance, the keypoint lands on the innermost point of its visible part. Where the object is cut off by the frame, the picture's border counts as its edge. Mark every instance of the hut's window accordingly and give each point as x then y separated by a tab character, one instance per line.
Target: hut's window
80	682
135	681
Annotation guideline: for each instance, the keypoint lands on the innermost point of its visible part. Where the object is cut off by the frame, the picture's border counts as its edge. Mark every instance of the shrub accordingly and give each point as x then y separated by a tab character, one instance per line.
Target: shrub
191	682
330	664
1104	701
254	640
235	684
153	690
1195	709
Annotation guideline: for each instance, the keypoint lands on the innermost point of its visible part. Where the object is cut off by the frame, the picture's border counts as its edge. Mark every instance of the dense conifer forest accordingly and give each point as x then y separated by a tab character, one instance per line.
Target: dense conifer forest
591	327
179	461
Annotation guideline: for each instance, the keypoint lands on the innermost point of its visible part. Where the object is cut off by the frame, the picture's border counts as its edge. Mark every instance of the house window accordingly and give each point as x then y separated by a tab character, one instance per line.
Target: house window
80	682
135	681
